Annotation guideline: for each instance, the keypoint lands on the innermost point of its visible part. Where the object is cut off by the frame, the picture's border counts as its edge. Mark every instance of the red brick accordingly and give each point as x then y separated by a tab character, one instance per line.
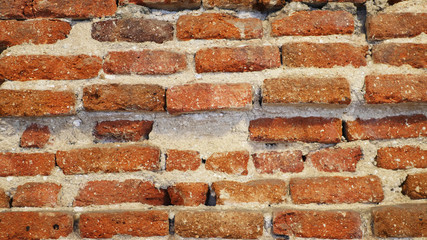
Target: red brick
273	162
208	97
398	54
335	159
406	220
26	164
123	130
182	160
145	62
217	26
306	90
35	225
114	192
308	129
133	223
401	157
313	23
240	59
326	1
318	224
35	103
387	128
415	186
229	162
109	159
219	224
165	4
188	194
47	67
395	25
268	191
13	9
396	88
4	199
35	136
243	4
367	189
36	195
118	97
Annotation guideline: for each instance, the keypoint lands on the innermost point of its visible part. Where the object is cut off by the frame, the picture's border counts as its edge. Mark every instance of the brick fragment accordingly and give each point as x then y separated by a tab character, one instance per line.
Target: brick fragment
36	194
366	189
182	160
244	4
123	130
398	54
188	194
240	59
401	157
26	164
229	162
165	4
395	25
219	224
4	199
273	162
415	186
133	223
335	159
35	136
109	159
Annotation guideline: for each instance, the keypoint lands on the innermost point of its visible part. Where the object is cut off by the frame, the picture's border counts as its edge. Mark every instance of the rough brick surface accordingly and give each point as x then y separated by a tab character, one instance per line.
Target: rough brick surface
36	194
123	130
243	4
313	23
109	159
12	9
415	186
398	54
395	25
323	55
118	97
4	199
335	159
326	1
306	90
188	194
318	224
165	4
135	223
241	59
273	162
387	128
309	129
217	26
229	162
35	136
367	189
401	157
208	97
217	224
26	164
182	160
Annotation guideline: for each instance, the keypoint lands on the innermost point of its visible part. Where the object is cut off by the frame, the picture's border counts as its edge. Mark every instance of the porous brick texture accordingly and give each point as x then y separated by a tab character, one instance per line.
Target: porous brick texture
335	159
188	194
182	160
401	157
36	195
4	199
272	162
26	164
415	186
398	54
123	130
229	162
35	136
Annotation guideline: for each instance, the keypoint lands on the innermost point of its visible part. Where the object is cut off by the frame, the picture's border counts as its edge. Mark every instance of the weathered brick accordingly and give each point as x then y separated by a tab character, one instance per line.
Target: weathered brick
367	189
188	194
273	162
306	90
4	199
120	97
182	160
406	220
244	4
47	67
35	136
13	9
304	129
217	26
318	224
132	30
415	186
26	164
109	159
240	59
133	223
335	159
165	4
208	97
398	54
396	88
123	130
36	194
387	128
219	224
326	1
395	25
401	157
145	62
229	162
107	192
313	23
35	225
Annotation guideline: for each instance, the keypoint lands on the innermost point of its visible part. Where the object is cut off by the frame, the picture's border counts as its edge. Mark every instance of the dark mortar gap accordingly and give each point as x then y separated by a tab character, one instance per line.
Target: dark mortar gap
260	96
171	226
210	199
344	130
304	158
270	145
203	160
361	17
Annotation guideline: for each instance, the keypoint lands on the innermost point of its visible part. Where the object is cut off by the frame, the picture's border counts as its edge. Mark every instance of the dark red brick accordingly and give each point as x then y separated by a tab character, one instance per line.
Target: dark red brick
188	194
401	157
395	25
165	4
182	160
229	162
26	164
35	136
398	54
36	194
335	159
244	4
273	162
415	186
123	130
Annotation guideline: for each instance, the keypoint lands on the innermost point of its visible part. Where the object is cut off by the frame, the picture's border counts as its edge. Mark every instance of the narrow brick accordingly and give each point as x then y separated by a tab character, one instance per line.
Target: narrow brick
415	186
244	4
398	54
182	160
35	194
208	97
335	159
229	162
26	164
367	189
219	224
4	199
308	129
133	223
387	128
188	194
123	130
273	162
306	90
401	157
240	59
35	136
316	2
165	4
109	159
395	25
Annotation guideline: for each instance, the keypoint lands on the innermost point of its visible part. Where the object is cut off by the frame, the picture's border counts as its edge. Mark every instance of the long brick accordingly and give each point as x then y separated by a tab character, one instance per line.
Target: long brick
109	159
387	128
335	159
4	199
165	4
35	136
401	157
229	162
133	223
326	1
318	224
306	90
36	194
323	55
182	160
398	54
273	162
47	67
395	25
415	186
208	97
188	194
308	129
123	130
244	4
240	59
120	97
219	224
26	164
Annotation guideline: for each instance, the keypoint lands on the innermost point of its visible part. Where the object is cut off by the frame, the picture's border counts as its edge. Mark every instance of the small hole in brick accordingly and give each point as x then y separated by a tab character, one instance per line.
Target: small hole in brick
304	158
270	145
203	161
27	228
56	226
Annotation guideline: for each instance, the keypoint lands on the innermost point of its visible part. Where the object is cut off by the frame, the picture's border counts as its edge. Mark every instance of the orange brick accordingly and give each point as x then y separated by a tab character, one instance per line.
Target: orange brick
165	4
182	160
26	164
123	130
243	4
415	186
4	199
272	162
335	159
35	136
401	157
36	194
12	9
395	25
398	54
229	162
188	194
